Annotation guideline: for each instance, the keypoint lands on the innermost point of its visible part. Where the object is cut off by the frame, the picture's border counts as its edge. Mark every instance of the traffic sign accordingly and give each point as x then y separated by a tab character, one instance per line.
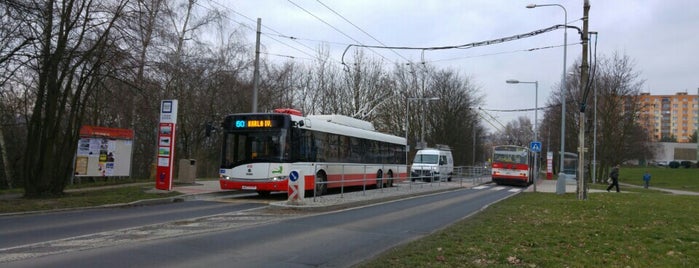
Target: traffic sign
535	146
294	175
296	188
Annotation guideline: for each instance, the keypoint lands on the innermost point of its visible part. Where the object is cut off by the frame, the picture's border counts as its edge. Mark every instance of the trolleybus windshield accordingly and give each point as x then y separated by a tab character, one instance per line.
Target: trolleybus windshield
255	146
255	138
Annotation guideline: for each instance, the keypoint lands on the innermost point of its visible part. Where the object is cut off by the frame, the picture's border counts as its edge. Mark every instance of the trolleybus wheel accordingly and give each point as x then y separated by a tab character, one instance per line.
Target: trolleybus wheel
379	179
389	182
321	183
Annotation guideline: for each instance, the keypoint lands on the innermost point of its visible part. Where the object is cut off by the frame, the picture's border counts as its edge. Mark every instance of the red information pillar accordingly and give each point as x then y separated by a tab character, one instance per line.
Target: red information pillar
166	144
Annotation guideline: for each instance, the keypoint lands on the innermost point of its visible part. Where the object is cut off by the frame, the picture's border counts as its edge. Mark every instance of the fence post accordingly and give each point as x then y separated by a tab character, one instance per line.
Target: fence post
364	182
315	181
342	182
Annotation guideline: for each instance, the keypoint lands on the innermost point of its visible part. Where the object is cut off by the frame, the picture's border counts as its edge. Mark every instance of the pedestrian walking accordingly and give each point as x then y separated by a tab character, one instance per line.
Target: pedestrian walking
646	179
614	175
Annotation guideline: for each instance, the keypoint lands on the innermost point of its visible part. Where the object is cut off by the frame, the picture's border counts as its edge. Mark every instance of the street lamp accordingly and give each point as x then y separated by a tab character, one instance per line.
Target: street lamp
536	119
422	123
560	184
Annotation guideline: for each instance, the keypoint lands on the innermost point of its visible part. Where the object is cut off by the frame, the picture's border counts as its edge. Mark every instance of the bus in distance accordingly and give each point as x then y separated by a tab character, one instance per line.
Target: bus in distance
512	165
329	151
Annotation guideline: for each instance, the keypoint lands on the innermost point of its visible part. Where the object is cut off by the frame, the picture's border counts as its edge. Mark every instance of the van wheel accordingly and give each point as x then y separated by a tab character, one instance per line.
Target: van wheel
321	182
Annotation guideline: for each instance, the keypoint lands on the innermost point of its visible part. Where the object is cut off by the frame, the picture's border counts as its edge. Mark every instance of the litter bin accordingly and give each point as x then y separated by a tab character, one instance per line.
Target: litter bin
187	171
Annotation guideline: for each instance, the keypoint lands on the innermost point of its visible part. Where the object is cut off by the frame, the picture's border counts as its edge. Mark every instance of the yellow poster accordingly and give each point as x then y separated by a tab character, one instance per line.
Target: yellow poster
81	165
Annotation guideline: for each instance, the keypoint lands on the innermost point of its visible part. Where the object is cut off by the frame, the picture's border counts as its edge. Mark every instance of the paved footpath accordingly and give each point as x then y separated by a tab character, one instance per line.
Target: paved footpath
549	186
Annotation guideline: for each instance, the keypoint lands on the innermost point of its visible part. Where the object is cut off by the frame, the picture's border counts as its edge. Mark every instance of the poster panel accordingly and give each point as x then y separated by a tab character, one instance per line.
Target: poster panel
103	151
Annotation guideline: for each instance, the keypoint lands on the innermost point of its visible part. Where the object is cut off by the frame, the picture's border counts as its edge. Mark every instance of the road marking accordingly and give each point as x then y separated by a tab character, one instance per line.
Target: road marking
515	190
499	188
481	187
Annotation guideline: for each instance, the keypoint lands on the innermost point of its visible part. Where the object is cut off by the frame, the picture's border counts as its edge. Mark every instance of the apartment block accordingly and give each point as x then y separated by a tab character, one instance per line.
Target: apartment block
667	116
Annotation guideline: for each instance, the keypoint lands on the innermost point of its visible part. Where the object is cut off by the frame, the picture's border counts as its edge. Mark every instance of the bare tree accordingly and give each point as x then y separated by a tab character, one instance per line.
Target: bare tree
72	59
15	38
516	132
620	137
452	120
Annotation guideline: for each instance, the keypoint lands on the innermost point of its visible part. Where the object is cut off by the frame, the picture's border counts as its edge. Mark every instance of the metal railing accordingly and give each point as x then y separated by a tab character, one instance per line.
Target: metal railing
472	175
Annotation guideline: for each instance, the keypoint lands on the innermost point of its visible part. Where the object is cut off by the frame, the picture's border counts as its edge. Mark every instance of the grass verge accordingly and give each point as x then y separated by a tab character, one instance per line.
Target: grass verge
686	179
641	228
115	195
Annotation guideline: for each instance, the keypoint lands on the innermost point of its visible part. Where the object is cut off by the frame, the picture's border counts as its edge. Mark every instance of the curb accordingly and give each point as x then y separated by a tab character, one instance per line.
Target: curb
143	202
309	205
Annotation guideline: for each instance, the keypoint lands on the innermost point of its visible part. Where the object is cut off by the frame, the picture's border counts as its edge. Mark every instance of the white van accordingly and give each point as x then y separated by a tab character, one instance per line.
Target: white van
432	164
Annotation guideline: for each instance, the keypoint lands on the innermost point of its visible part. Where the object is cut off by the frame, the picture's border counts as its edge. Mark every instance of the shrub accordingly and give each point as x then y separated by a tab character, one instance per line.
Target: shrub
674	164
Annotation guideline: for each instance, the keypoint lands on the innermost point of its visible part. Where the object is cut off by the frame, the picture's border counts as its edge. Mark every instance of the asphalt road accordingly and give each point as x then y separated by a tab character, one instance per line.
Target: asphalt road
20	230
263	238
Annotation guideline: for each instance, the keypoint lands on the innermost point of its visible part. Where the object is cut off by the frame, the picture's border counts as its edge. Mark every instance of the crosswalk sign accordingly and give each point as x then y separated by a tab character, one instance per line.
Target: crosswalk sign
535	146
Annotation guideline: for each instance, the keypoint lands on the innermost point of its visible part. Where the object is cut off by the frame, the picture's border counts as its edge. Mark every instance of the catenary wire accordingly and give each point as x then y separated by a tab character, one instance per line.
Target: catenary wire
336	29
362	30
266	27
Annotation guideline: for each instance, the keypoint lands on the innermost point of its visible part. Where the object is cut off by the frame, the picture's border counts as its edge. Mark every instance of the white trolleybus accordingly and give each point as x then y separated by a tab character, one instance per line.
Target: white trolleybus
512	165
328	151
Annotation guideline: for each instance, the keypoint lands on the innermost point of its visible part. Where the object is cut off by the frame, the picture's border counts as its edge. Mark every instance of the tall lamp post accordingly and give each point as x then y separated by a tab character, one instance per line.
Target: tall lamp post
536	119
560	184
422	124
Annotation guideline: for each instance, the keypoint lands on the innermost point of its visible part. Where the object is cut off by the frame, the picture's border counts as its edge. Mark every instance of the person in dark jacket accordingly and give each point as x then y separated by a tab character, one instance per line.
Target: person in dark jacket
614	175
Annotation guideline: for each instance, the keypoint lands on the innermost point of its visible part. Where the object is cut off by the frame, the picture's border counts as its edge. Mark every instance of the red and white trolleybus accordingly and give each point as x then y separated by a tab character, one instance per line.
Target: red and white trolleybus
512	165
328	151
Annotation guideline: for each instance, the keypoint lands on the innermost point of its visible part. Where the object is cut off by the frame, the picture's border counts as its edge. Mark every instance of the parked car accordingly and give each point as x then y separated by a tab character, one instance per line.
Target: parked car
661	163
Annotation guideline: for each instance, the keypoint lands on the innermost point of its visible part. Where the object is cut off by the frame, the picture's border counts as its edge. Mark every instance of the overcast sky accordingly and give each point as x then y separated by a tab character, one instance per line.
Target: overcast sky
660	36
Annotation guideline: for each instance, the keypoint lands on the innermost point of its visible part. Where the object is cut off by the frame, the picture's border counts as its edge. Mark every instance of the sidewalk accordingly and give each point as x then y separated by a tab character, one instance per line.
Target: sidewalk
671	191
549	186
199	187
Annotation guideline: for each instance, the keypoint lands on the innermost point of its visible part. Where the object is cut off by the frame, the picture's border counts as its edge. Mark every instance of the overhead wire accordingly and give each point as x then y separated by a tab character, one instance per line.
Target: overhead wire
336	29
360	29
463	46
499	53
392	48
266	27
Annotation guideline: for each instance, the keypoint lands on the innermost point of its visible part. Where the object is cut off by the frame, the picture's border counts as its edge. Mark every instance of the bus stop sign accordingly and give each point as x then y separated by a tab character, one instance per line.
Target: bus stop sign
535	146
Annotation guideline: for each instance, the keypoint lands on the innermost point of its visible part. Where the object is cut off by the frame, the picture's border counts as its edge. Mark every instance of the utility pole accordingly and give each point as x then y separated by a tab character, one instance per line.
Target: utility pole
584	69
256	73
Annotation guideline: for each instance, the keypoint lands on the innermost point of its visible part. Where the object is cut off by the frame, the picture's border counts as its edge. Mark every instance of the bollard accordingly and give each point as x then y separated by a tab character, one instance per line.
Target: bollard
296	188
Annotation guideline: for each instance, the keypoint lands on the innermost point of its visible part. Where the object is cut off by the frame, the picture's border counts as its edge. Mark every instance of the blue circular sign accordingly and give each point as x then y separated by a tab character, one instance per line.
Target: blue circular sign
294	176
